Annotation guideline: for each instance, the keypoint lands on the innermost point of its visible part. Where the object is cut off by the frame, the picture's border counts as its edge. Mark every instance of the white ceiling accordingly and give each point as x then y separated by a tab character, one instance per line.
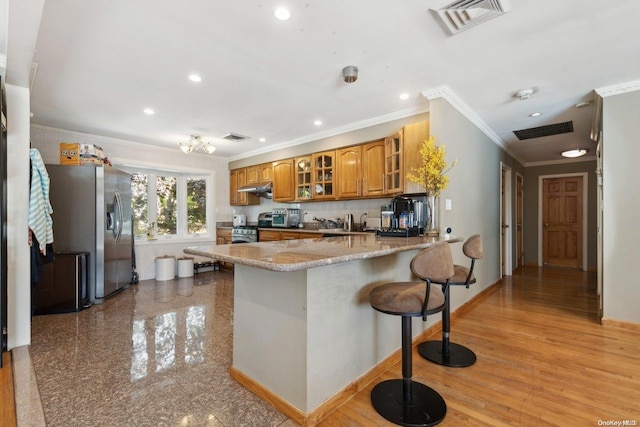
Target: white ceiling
101	62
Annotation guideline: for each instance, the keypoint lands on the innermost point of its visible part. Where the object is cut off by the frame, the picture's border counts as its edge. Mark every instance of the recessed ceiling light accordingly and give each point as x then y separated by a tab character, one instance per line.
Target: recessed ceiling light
574	153
403	96
318	122
149	111
282	13
263	140
536	114
195	78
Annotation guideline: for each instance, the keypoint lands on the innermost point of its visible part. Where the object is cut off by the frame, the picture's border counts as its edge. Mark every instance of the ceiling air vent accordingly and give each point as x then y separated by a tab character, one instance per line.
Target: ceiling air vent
548	130
234	137
463	14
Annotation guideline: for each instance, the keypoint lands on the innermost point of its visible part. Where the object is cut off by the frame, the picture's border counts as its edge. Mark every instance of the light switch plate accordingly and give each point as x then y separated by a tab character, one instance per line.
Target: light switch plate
447	204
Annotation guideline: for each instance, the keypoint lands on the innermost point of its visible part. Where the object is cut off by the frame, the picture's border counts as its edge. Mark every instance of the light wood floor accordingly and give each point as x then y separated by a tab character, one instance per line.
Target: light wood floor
543	360
7	400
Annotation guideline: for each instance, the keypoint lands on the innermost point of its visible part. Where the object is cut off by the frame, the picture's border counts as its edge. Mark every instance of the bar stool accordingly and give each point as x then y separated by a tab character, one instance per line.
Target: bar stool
445	352
403	401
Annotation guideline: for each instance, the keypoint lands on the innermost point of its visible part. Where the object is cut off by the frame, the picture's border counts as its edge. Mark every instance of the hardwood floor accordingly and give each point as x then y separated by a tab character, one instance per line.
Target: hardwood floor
543	359
7	400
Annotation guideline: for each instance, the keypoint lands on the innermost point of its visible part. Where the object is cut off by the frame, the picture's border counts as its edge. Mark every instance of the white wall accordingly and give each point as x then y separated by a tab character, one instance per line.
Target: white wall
621	232
19	273
121	152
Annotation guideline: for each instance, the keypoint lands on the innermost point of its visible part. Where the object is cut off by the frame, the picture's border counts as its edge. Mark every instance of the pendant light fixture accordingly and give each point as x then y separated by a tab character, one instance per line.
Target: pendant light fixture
196	143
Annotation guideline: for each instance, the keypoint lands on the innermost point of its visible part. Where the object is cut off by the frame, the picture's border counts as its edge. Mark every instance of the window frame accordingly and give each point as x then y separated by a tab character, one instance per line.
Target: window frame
182	229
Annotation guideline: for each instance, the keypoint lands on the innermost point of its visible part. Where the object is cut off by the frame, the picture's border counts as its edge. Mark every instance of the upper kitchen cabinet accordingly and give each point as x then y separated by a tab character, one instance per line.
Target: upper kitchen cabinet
361	170
238	179
260	174
414	135
303	178
394	169
324	175
283	181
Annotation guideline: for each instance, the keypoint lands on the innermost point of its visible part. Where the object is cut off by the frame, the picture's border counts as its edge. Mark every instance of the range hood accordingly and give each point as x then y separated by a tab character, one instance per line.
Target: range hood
262	190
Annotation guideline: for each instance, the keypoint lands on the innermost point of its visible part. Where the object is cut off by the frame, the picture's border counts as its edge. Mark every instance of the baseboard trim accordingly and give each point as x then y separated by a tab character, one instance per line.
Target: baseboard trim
620	324
334	402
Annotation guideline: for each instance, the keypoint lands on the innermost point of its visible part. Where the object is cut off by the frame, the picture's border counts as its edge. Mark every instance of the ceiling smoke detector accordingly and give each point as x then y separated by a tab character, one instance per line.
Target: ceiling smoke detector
350	73
524	94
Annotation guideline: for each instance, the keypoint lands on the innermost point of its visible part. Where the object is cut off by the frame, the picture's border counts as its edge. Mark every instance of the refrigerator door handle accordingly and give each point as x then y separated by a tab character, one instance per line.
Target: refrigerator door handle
118	217
121	214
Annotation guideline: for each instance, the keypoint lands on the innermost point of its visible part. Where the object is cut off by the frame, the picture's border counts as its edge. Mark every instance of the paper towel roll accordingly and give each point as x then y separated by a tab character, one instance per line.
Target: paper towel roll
185	267
165	268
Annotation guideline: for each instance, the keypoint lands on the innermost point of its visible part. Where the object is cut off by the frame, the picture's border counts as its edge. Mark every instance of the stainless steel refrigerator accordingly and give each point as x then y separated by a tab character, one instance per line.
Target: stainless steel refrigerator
92	213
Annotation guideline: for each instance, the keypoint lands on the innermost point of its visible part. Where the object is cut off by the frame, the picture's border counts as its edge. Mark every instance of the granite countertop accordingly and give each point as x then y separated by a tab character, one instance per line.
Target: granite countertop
295	255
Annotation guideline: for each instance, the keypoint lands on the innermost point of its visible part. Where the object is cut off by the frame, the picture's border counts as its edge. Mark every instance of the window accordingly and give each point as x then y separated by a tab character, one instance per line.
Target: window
170	205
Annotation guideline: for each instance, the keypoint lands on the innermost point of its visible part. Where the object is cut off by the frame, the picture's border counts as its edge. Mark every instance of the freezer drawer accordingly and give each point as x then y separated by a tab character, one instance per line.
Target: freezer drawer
63	287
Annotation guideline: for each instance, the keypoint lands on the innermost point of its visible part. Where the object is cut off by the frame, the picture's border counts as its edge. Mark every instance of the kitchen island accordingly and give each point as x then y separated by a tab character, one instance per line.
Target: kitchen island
305	337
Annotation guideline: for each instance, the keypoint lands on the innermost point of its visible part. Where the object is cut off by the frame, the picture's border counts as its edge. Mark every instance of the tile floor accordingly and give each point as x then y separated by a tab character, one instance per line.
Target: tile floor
156	354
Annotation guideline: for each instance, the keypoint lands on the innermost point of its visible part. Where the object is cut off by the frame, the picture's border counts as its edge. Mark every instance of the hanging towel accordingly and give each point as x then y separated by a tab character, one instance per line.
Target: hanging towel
40	221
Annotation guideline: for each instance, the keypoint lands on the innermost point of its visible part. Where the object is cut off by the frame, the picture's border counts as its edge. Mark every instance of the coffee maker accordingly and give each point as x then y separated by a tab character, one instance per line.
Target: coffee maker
404	216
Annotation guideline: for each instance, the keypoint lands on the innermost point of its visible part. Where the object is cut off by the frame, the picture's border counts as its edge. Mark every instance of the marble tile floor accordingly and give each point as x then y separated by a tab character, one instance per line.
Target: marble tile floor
156	354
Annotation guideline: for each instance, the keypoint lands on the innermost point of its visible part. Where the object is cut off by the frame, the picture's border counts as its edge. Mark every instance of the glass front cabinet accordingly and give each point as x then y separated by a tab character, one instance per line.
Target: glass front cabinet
303	178
324	175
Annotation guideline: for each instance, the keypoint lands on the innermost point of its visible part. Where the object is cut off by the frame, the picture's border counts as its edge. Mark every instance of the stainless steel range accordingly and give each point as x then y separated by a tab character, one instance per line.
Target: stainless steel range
244	234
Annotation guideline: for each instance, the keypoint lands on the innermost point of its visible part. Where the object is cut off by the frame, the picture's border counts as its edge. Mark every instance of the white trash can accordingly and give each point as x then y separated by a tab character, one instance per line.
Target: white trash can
165	267
185	267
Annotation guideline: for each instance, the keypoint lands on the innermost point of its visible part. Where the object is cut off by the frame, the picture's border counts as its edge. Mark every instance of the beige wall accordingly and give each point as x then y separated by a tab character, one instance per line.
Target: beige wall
621	210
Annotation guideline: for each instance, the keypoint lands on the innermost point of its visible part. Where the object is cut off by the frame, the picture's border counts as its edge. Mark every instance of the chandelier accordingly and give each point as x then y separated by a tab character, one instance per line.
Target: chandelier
196	143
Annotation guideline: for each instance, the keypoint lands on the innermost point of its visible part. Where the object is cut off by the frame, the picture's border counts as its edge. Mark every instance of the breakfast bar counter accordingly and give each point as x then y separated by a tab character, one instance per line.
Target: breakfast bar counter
304	334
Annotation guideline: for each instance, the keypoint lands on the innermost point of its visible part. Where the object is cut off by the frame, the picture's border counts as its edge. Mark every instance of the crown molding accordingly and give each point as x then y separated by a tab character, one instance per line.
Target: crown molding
618	89
446	93
351	127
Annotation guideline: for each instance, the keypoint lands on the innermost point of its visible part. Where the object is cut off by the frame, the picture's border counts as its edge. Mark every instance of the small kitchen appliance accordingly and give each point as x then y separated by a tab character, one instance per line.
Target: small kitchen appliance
285	217
348	222
239	220
264	220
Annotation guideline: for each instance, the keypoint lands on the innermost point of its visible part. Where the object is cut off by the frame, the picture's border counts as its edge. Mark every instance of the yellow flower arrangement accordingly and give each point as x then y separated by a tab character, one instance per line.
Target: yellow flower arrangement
431	175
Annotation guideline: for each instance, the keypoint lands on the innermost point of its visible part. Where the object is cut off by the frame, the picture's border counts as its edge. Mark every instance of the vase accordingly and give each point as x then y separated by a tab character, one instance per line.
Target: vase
432	218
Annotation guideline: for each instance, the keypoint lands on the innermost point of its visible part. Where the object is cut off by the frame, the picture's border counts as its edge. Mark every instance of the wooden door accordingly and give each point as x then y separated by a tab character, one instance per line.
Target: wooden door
283	183
394	163
373	169
350	172
562	222
266	172
519	219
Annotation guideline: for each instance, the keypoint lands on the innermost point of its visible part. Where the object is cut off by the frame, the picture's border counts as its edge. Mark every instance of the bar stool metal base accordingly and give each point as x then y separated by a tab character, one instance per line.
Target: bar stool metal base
426	409
459	356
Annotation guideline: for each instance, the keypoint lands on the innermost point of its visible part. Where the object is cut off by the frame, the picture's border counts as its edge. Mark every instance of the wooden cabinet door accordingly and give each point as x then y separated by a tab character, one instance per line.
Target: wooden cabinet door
413	137
324	175
253	175
304	235
290	235
373	169
349	163
269	235
303	176
237	179
394	170
283	184
266	172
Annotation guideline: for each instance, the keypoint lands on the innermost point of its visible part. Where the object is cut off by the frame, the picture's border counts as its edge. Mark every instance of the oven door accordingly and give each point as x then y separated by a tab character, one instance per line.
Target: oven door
279	220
